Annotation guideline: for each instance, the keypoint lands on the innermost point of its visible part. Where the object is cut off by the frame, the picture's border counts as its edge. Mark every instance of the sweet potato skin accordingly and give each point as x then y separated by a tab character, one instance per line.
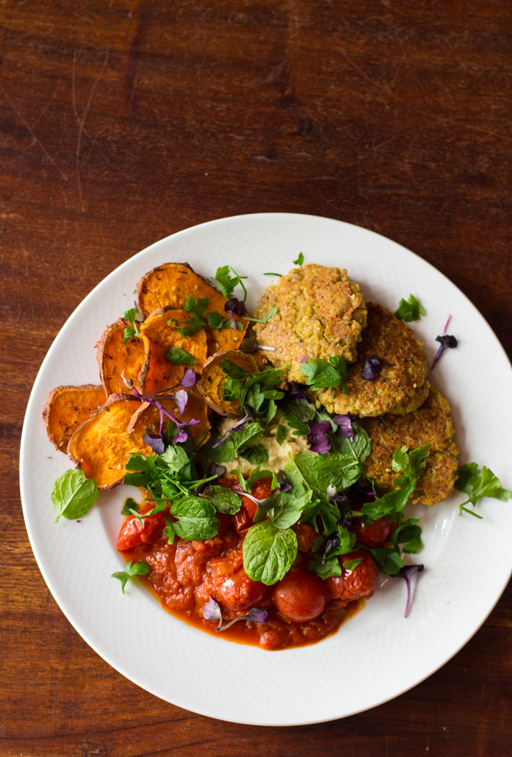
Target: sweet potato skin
67	407
211	383
120	362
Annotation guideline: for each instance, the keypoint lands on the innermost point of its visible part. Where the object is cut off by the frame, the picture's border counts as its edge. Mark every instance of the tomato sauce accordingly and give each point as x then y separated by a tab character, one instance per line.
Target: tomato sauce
184	575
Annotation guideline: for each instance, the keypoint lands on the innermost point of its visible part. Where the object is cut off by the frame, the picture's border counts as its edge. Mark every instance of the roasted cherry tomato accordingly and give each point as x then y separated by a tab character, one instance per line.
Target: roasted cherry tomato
133	532
239	593
300	596
355	583
376	533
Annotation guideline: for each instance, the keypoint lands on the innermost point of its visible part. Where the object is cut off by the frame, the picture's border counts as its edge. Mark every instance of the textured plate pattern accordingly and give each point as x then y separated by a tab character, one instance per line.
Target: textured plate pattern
376	655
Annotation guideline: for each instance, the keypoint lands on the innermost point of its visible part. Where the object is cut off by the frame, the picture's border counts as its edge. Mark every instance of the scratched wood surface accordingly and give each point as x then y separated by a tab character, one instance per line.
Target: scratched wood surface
122	121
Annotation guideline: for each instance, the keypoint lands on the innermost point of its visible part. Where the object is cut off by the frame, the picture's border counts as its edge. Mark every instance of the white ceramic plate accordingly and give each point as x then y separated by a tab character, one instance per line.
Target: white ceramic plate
378	654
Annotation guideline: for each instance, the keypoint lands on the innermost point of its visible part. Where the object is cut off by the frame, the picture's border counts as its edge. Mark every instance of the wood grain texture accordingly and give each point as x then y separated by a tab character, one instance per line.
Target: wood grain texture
123	122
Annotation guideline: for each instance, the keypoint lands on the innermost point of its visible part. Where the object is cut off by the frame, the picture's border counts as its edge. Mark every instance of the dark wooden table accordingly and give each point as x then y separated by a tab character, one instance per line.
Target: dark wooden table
123	121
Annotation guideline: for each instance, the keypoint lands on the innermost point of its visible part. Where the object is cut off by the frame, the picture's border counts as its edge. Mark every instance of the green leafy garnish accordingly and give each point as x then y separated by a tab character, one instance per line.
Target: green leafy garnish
179	356
411	465
269	552
196	309
410	310
74	494
130	506
320	374
238	441
478	483
227	283
130	316
256	455
196	519
262	320
300	259
224	500
139	568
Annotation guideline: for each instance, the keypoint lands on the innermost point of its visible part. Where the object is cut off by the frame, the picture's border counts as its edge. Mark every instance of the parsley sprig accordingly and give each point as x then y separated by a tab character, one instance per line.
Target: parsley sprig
132	331
478	483
320	374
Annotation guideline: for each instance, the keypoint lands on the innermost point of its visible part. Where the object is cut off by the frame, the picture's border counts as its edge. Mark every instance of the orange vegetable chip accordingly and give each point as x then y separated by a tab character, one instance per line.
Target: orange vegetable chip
67	408
171	284
118	361
103	444
211	383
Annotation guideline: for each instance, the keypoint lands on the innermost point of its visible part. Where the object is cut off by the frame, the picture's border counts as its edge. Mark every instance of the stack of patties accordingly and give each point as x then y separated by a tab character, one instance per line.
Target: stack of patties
321	313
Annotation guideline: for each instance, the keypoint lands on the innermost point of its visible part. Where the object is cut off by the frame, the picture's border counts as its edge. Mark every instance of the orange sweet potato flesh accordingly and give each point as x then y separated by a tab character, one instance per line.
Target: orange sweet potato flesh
103	444
211	383
120	362
67	408
159	335
171	284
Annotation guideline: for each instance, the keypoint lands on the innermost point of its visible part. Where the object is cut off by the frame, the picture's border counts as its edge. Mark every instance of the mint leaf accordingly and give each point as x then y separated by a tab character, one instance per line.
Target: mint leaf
236	443
269	552
300	259
320	374
179	356
409	535
74	494
410	310
256	455
131	569
359	449
282	432
478	483
196	519
224	500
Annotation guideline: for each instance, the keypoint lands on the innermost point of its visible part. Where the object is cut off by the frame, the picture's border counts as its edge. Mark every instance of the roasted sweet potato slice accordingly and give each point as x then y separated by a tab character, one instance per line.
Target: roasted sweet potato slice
211	383
119	362
102	445
67	408
196	408
159	335
171	284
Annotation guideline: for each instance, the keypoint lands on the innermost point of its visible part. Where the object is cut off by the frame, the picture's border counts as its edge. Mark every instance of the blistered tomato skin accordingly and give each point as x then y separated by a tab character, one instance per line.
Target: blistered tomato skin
239	593
376	533
300	596
356	583
133	532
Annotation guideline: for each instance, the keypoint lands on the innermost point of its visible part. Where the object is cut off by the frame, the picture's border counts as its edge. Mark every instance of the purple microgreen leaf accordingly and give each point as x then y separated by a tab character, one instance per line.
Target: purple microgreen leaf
211	611
297	390
407	572
154	441
237	426
318	439
371	368
181	399
189	378
446	325
445	341
345	429
283	485
249	345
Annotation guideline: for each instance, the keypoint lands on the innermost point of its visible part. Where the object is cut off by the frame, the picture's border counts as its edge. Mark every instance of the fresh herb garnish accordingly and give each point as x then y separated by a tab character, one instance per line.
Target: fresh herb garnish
320	374
130	316
179	356
130	506
227	283
74	494
371	368
212	611
478	483
269	552
131	570
406	572
410	310
300	259
267	318
445	341
197	310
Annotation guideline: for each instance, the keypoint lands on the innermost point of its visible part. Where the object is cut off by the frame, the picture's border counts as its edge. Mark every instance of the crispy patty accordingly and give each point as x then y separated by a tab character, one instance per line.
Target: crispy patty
401	386
321	313
432	425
